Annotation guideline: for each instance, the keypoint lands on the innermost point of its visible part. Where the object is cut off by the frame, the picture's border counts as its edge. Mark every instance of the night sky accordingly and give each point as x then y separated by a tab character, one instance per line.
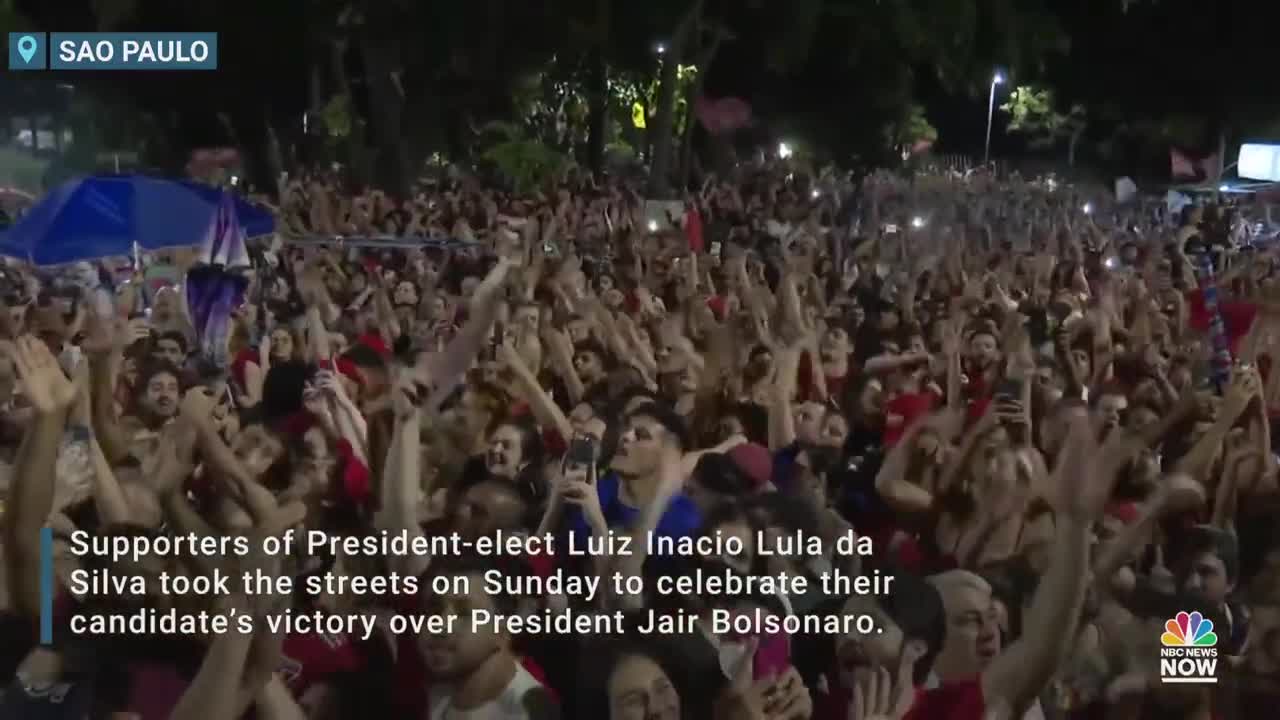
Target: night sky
1216	59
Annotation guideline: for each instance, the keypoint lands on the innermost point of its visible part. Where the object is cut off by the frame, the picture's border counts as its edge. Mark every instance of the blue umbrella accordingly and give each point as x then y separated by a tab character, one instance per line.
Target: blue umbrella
104	216
254	221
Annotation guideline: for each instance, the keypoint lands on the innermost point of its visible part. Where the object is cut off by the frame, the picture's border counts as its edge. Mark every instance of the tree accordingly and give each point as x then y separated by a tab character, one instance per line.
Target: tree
1034	112
909	130
525	162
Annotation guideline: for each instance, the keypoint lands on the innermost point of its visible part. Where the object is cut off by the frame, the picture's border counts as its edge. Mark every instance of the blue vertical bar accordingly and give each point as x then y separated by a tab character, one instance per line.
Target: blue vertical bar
46	586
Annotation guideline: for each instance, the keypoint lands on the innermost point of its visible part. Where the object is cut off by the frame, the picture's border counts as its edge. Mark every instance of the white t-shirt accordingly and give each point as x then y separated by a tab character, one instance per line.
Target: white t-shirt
507	706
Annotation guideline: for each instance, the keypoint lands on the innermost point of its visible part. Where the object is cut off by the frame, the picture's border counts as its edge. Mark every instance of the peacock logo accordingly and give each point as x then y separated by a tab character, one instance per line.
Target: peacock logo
1189	630
1189	654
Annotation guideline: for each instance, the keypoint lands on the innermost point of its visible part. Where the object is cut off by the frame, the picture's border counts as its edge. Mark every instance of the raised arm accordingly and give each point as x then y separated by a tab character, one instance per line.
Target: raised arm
782	424
401	486
544	409
104	348
450	366
1084	479
31	495
214	693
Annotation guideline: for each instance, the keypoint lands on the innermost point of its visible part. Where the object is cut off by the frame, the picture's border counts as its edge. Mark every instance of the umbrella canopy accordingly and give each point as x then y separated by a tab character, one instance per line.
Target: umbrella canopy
254	221
104	216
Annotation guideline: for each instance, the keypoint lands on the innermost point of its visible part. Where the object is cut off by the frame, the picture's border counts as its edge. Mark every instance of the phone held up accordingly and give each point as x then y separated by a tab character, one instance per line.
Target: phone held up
581	454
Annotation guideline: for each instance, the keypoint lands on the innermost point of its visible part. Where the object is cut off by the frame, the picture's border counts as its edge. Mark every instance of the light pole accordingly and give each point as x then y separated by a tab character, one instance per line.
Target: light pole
991	111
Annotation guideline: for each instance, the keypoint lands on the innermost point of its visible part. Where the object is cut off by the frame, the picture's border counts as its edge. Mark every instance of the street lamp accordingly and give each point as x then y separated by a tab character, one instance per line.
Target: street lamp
991	111
661	49
784	150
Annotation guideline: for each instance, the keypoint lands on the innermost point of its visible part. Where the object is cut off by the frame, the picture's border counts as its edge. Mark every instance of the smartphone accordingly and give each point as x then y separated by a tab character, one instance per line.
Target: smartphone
1009	389
582	451
715	249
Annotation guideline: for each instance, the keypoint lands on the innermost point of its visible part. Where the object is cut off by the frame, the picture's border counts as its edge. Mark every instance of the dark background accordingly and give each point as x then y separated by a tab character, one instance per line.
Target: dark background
1152	73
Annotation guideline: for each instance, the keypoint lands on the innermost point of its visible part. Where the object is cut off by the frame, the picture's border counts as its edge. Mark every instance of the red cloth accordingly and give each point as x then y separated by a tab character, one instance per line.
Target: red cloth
243	358
1237	317
155	689
344	367
693	230
952	701
309	659
375	342
1125	512
553	443
903	411
356	482
836	384
755	462
979	395
719	307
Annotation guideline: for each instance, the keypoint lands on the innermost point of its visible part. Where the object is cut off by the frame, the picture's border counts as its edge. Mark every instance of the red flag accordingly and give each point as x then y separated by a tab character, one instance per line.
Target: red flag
693	230
1182	166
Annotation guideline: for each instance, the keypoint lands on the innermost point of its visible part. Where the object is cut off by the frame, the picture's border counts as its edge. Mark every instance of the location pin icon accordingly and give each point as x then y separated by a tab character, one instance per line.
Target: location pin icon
26	48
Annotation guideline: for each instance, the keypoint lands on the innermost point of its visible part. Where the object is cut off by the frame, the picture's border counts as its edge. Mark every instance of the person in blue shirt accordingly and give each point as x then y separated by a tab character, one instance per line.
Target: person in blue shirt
635	482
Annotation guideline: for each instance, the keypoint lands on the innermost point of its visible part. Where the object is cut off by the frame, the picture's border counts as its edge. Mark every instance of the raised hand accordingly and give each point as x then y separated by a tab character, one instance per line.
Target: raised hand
1245	385
197	406
877	695
327	382
1087	474
787	698
101	335
43	381
740	699
314	401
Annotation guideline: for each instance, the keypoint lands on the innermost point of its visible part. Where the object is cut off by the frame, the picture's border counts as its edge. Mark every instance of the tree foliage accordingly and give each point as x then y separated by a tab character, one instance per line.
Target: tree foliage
1034	112
911	128
527	163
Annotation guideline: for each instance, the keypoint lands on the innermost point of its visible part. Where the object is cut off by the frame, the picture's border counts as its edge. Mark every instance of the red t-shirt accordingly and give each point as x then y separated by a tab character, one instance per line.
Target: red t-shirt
1237	317
243	358
951	701
903	411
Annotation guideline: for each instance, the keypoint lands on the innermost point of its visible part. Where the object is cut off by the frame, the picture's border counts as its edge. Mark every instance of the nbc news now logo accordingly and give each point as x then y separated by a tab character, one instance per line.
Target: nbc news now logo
1189	654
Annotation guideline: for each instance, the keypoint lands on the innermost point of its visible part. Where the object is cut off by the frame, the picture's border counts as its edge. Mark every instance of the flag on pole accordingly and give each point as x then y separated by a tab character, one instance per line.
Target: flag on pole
215	285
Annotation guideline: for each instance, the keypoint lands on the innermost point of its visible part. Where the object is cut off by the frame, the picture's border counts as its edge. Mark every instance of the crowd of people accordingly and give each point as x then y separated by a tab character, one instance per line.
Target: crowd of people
1050	413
